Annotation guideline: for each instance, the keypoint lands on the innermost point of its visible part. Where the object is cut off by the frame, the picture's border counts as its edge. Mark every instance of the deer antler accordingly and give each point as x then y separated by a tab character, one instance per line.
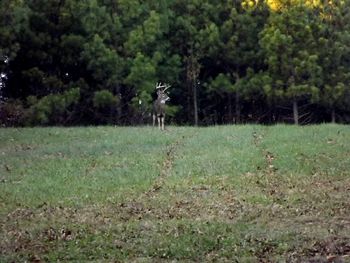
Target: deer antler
164	86
167	86
159	85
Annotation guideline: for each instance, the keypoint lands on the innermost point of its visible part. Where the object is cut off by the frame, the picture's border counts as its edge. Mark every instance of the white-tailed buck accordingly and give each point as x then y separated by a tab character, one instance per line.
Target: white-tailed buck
159	105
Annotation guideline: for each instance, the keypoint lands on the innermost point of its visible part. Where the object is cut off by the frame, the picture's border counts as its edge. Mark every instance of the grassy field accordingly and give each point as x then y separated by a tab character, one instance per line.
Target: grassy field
223	194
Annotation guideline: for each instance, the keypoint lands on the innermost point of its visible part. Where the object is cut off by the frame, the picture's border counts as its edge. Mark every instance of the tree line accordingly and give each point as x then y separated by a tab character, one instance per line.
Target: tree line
67	62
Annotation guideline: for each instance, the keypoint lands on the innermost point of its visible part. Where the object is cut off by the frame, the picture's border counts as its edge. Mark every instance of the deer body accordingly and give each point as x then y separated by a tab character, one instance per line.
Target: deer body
159	106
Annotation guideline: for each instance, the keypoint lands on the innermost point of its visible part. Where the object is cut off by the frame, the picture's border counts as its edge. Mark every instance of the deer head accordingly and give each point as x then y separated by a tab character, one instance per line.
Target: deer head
161	92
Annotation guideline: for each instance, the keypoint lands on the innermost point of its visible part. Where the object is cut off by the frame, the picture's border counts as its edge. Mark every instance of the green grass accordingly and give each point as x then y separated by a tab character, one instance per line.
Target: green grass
228	193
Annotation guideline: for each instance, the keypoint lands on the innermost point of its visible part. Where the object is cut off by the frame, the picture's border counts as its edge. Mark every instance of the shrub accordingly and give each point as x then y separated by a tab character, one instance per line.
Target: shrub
50	108
104	98
11	113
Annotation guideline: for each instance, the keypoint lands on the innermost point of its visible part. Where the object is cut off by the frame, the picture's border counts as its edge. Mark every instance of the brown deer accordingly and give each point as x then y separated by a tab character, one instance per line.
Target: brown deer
159	105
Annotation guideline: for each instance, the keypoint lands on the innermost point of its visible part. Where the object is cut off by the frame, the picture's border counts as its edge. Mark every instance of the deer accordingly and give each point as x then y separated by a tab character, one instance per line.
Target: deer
159	105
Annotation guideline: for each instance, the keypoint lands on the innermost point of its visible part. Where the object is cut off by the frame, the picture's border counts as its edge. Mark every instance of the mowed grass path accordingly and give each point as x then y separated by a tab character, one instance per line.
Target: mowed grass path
228	193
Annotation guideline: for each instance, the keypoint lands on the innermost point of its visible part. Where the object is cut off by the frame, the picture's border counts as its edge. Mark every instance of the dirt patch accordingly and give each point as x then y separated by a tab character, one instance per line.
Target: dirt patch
332	249
166	168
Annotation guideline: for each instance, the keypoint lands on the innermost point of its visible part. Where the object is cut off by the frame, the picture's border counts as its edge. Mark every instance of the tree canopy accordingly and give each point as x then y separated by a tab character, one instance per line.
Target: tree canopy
65	62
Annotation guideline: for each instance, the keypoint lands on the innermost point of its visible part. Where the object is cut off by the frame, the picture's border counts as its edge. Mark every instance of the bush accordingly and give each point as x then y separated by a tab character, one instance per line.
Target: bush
11	113
51	108
104	98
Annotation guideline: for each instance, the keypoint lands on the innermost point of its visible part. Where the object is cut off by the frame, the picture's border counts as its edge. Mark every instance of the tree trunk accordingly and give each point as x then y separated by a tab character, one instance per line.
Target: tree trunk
195	105
273	117
119	104
237	98
333	115
230	113
295	112
193	69
119	113
238	108
188	98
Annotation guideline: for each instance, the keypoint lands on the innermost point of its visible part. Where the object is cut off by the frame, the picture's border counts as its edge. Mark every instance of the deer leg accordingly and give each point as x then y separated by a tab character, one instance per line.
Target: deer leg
163	123
154	119
158	118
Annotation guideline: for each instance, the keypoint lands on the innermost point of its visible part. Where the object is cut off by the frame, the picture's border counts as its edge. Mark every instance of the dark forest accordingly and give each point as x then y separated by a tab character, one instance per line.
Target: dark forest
96	62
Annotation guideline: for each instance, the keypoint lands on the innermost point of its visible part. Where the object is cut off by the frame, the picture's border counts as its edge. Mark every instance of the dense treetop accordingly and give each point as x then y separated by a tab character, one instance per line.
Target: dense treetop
67	62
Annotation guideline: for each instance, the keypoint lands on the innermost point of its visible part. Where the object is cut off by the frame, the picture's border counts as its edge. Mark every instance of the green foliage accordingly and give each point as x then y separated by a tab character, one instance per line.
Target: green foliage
254	84
222	83
334	36
289	44
104	98
102	61
142	99
172	110
142	73
51	107
256	52
145	36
